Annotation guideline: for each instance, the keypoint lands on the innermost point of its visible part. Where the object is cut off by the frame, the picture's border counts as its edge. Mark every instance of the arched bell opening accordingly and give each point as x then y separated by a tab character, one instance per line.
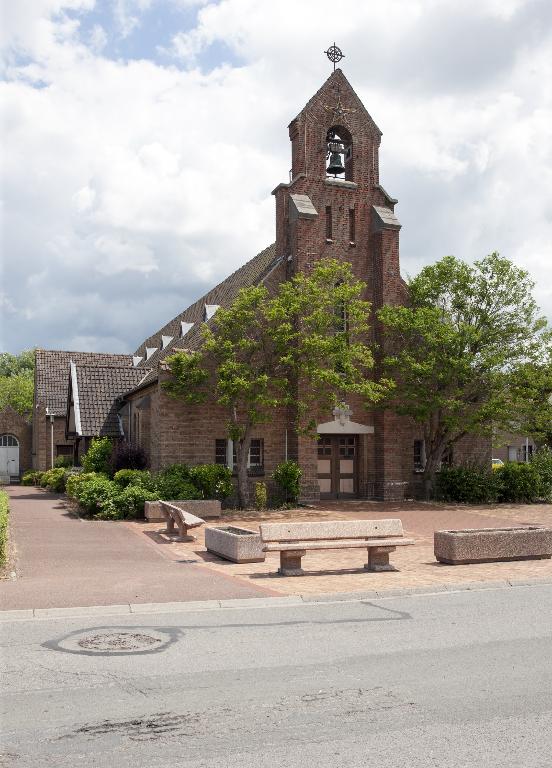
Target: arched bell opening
339	153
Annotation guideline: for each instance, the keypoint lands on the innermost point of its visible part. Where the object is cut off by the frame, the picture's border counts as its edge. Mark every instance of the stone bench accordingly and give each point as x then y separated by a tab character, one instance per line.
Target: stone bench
485	545
183	520
292	540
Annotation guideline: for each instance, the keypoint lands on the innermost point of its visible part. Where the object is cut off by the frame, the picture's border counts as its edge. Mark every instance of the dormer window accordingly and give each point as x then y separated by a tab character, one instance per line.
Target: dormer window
185	327
136	360
150	351
165	341
210	310
339	153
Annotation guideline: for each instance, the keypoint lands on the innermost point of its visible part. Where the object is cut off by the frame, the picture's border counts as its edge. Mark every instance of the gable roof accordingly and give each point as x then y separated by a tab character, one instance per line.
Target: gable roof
337	80
251	273
52	374
95	391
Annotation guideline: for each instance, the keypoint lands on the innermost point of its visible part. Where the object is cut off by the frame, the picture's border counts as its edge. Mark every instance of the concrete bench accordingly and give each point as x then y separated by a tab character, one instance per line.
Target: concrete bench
292	540
184	520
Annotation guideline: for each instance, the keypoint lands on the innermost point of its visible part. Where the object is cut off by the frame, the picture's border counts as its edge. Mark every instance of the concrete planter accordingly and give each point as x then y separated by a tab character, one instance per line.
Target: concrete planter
239	545
204	508
486	545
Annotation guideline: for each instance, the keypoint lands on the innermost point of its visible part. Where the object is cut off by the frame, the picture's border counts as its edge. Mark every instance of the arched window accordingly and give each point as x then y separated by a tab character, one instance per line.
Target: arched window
339	153
8	441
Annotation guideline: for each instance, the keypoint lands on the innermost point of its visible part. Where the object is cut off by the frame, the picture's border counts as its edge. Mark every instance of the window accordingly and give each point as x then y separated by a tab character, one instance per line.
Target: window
352	226
329	228
446	461
220	451
8	441
347	447
419	455
526	452
64	450
255	463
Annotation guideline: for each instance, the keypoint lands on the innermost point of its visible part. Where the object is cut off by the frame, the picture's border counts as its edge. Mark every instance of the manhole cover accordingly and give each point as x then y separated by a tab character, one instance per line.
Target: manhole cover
118	641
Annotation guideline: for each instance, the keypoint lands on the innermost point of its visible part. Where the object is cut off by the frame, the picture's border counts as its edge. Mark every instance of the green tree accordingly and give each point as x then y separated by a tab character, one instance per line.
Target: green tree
17	381
303	348
466	353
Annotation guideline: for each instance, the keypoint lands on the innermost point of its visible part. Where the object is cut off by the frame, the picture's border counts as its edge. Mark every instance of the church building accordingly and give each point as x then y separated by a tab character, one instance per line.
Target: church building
332	205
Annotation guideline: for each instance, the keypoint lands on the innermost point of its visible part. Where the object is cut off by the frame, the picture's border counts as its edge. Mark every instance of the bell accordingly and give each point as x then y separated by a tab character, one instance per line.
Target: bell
335	166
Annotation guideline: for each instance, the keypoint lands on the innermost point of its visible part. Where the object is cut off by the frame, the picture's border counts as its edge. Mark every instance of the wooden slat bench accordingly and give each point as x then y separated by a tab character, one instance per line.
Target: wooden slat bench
184	520
292	540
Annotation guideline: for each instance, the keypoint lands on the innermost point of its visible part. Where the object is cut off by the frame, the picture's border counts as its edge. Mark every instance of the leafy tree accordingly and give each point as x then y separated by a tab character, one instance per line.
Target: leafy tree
466	353
303	347
17	381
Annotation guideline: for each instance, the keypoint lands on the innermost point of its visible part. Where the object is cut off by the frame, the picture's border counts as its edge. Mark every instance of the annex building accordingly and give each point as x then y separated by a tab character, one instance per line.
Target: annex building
332	206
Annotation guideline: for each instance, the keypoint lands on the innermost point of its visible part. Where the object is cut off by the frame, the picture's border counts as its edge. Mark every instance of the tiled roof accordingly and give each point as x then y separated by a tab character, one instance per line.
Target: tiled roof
52	374
99	388
223	294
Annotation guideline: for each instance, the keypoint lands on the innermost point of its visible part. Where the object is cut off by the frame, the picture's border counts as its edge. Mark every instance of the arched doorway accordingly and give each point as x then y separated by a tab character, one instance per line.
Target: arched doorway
9	455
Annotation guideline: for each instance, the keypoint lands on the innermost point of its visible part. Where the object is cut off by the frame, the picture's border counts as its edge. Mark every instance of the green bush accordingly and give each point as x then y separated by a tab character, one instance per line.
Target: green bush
287	476
4	517
98	456
75	479
54	479
172	487
93	491
129	503
518	482
63	461
31	478
213	481
542	462
140	477
468	485
260	496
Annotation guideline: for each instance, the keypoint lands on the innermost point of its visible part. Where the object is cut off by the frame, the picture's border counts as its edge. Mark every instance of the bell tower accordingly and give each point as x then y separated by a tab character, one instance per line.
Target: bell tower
333	206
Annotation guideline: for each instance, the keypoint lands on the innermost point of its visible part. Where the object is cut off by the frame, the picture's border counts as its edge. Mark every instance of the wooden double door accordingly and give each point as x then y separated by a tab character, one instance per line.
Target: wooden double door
337	466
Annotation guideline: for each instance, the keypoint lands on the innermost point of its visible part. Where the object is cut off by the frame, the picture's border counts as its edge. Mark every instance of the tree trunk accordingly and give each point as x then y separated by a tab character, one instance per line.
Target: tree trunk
242	454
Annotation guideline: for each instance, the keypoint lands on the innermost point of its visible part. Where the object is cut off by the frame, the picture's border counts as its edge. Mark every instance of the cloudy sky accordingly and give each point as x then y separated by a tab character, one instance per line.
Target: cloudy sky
141	140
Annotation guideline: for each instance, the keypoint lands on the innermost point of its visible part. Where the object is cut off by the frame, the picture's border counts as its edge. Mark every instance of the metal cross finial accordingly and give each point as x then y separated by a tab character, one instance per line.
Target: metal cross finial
334	54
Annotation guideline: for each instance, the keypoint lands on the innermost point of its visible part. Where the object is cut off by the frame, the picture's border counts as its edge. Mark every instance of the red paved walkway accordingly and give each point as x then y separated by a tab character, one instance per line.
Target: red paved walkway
64	561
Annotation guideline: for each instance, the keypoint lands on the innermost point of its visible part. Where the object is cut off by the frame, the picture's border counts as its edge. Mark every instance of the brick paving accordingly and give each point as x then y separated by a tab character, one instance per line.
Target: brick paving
343	570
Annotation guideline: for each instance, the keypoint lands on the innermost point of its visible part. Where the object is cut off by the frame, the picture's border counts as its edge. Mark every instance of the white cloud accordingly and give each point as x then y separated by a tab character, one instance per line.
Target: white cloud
130	187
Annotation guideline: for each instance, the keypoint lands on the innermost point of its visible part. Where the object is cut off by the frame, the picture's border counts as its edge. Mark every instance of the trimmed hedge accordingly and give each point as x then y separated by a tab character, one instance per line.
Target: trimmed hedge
4	517
468	485
287	476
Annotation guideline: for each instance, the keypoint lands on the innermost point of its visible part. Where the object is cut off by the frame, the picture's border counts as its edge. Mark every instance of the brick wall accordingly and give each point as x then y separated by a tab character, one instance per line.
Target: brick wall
13	423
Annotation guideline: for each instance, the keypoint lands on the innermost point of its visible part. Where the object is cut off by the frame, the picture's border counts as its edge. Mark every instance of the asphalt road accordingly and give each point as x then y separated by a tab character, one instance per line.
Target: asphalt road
461	679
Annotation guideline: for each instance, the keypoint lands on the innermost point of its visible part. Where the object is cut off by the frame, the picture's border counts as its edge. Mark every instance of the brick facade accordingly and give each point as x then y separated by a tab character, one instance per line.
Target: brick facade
13	423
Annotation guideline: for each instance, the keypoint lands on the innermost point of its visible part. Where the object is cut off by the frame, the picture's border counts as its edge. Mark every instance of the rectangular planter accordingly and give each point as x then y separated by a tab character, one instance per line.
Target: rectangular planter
205	508
485	545
239	545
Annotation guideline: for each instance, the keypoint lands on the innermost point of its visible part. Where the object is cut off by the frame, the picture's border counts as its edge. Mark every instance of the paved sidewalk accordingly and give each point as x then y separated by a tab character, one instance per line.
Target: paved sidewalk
65	561
342	571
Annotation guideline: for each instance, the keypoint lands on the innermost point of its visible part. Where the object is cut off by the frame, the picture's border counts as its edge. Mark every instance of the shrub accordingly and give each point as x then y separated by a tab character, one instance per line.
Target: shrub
98	456
63	461
213	481
31	478
169	487
287	475
128	456
92	492
130	502
140	477
74	480
54	479
260	496
4	517
542	462
518	482
468	484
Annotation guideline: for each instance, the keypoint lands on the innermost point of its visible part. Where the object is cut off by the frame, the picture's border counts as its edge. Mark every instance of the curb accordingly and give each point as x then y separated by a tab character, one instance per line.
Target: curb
265	602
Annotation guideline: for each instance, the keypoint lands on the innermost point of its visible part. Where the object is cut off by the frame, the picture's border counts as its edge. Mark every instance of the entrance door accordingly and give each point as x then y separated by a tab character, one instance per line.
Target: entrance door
337	466
9	455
